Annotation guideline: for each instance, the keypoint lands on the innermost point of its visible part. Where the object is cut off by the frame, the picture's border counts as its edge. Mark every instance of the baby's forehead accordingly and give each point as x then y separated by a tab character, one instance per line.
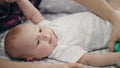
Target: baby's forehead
27	24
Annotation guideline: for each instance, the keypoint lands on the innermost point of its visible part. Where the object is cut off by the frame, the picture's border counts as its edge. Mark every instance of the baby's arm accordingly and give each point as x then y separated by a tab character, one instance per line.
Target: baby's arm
100	59
29	10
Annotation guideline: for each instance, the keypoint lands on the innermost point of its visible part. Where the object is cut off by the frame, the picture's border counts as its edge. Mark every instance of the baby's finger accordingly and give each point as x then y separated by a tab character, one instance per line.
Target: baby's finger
111	47
112	41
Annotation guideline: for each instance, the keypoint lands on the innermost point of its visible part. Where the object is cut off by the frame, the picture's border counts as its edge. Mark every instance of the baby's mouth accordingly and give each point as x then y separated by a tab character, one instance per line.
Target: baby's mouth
50	40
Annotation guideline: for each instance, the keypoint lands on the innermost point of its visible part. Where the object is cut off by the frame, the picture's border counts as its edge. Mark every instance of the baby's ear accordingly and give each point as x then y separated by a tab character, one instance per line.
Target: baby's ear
30	58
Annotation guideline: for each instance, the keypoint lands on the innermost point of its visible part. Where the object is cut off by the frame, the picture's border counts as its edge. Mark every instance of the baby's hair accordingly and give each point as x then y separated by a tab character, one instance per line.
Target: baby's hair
12	33
10	38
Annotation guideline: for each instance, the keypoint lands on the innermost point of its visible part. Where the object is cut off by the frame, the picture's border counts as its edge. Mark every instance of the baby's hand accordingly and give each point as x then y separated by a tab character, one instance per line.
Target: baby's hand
115	36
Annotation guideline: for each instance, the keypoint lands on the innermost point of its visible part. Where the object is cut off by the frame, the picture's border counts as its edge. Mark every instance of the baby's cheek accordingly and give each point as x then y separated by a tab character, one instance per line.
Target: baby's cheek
47	50
44	48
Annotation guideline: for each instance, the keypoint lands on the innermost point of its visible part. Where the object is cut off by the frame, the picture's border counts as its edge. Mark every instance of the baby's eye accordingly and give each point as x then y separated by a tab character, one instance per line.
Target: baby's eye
38	42
40	30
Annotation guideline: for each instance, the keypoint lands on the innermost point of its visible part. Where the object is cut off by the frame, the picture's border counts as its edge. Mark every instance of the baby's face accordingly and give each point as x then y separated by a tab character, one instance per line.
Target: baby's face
36	42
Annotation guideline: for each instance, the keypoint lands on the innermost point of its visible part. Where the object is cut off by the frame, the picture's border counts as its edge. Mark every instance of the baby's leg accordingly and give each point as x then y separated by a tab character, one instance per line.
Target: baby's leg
100	59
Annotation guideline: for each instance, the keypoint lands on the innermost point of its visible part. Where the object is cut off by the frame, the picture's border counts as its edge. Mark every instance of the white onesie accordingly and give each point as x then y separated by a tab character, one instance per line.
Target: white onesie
77	34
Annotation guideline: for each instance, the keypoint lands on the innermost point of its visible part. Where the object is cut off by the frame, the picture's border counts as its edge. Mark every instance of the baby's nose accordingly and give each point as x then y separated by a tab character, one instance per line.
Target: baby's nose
46	37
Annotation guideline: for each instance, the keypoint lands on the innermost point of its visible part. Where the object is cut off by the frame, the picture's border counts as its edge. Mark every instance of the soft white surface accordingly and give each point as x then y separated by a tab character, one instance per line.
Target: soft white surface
59	6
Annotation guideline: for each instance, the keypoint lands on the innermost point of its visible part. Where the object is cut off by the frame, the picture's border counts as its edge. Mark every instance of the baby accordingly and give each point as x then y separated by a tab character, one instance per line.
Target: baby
62	39
30	41
65	39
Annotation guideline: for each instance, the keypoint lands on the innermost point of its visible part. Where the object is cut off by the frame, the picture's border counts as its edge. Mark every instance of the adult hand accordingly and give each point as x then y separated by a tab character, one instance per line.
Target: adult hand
11	64
76	65
115	36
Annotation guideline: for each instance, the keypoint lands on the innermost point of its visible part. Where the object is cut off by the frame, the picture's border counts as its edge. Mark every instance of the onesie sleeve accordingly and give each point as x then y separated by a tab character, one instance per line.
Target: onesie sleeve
68	54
